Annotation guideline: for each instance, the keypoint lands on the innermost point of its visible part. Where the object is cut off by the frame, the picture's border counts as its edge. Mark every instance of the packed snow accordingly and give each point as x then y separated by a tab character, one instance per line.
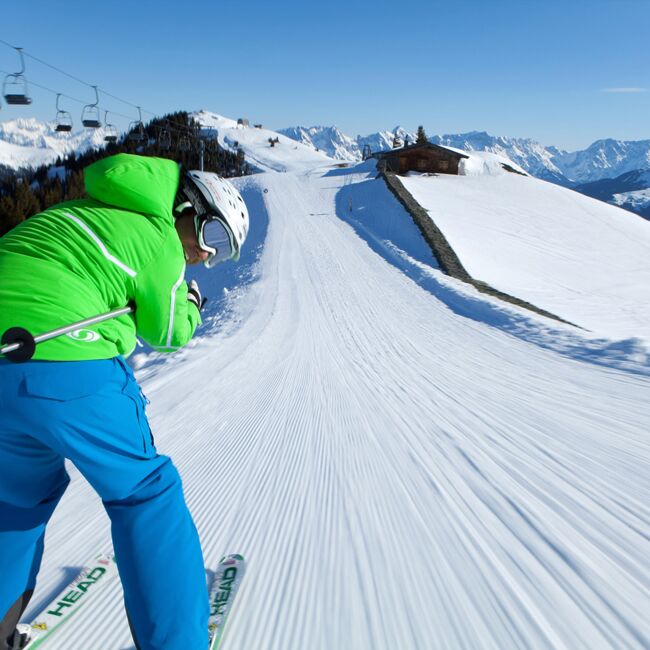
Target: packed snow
576	257
404	462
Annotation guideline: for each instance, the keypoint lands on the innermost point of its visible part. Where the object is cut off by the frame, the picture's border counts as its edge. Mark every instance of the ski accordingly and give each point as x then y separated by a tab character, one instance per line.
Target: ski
228	577
70	600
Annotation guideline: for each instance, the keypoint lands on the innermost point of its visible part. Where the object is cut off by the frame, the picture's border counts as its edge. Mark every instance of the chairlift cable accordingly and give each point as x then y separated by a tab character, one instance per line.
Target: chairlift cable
74	99
179	129
49	65
77	79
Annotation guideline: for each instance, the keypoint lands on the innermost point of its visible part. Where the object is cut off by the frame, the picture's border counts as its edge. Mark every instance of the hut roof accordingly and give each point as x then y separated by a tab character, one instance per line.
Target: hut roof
413	147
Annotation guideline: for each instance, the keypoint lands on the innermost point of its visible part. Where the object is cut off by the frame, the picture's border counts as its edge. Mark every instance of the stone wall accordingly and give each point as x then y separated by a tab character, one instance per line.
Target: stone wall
444	253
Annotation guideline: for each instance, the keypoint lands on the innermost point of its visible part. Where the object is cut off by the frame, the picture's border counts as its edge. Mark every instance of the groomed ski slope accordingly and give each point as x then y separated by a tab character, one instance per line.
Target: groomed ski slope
405	463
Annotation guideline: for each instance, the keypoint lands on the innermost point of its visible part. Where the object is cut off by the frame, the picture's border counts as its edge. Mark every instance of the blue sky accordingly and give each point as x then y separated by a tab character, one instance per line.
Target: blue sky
529	68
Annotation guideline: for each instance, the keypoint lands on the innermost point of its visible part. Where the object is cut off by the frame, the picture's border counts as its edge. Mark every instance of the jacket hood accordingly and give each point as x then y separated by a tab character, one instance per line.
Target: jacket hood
137	183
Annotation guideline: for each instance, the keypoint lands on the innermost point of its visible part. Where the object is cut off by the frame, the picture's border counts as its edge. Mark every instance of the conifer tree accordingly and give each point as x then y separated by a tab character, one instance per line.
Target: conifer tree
75	186
24	193
26	202
8	216
53	194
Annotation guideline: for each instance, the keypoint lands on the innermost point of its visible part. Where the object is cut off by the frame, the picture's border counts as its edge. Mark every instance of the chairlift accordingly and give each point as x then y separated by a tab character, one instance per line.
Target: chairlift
164	138
110	132
63	118
14	87
136	129
90	113
184	143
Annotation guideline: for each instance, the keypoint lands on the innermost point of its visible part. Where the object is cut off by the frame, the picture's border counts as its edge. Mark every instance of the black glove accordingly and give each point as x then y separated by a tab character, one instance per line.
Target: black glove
194	295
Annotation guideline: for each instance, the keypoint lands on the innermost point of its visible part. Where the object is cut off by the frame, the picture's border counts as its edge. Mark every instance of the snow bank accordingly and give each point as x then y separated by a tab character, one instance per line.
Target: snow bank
584	260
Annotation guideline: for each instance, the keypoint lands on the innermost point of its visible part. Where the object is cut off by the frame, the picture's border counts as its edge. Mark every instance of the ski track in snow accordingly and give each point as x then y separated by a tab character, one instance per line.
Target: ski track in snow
397	475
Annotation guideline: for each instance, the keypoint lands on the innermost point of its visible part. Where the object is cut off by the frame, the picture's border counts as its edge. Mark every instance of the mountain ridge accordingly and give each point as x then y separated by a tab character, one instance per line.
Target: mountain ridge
26	142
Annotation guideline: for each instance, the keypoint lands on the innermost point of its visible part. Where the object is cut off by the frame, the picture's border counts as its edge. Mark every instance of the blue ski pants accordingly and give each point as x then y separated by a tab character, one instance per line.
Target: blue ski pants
93	413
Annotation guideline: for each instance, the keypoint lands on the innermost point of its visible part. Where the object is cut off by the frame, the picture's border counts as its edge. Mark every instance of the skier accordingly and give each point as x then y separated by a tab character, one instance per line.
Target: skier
78	399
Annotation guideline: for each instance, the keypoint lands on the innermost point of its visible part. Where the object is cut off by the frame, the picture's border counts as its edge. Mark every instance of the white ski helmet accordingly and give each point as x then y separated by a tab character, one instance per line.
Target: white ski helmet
221	219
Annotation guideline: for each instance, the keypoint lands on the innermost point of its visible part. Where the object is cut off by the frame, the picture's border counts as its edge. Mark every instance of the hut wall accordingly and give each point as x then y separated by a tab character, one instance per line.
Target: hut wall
428	160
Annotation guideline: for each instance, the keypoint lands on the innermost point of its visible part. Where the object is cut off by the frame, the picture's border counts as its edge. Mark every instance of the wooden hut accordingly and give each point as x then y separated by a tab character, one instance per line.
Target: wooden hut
431	158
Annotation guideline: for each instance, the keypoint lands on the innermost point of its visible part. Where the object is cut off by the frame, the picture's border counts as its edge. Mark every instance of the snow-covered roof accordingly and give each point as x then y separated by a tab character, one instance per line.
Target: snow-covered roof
411	147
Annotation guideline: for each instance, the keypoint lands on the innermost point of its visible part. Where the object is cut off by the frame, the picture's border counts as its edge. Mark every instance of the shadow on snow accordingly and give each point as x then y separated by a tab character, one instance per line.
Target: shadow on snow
381	221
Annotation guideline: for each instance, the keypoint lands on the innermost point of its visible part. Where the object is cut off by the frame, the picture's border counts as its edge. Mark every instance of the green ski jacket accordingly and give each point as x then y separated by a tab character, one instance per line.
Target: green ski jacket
82	258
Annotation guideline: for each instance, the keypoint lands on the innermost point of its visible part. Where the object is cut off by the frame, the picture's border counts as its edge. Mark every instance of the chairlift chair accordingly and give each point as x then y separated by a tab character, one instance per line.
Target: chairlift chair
184	143
63	118
90	113
164	138
110	132
14	87
137	132
136	129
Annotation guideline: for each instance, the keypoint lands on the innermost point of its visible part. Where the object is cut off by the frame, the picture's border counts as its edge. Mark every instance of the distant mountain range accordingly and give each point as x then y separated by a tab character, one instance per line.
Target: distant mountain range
630	191
615	171
26	142
603	159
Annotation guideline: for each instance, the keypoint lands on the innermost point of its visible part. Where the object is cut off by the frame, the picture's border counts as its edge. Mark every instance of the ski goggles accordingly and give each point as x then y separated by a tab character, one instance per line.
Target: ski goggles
214	238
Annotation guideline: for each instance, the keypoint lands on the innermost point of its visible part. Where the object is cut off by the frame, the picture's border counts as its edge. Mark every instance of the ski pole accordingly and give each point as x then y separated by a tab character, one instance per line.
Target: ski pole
20	344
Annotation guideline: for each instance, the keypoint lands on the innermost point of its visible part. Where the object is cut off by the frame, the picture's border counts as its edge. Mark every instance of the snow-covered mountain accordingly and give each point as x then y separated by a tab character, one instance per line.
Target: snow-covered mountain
339	146
603	159
630	191
27	142
535	158
30	143
330	139
264	149
383	140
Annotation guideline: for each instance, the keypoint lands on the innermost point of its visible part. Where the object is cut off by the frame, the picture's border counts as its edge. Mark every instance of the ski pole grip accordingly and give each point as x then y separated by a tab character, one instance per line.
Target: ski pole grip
18	344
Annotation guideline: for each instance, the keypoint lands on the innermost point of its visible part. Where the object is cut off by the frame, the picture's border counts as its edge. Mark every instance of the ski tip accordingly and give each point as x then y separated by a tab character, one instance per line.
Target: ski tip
233	557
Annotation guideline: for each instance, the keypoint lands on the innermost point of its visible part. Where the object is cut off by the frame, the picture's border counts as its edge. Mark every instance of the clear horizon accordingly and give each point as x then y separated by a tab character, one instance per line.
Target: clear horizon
563	74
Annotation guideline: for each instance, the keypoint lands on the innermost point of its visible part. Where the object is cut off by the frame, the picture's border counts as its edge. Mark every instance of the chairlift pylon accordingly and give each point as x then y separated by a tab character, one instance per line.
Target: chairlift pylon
136	129
63	118
14	87
90	113
110	132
